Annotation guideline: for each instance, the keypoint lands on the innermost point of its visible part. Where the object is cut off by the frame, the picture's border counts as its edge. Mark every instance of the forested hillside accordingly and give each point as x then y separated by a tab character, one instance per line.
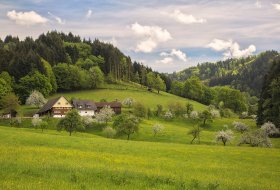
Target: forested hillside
63	62
269	103
244	74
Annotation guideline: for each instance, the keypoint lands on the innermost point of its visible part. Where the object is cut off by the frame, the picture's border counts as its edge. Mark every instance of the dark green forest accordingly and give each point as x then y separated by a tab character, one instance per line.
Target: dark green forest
269	103
63	62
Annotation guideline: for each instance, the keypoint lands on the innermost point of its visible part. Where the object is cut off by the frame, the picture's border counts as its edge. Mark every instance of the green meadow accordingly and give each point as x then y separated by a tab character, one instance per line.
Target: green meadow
54	160
51	160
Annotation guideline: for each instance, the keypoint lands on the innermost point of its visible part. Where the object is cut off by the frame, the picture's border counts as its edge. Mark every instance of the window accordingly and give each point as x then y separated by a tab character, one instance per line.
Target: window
58	103
80	106
88	106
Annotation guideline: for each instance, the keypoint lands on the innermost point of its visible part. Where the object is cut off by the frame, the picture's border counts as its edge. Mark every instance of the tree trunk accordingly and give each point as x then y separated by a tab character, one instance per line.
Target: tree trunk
193	140
158	91
128	136
70	133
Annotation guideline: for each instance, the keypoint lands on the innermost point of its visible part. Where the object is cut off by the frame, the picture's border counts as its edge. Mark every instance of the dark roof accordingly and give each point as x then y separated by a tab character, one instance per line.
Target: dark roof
48	105
84	105
111	104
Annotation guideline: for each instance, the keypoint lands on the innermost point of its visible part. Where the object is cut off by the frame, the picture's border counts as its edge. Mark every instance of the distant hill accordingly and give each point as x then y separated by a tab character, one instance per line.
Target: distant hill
245	74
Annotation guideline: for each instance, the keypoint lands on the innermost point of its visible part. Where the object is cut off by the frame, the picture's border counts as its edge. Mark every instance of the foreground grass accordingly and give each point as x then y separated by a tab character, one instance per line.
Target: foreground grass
51	160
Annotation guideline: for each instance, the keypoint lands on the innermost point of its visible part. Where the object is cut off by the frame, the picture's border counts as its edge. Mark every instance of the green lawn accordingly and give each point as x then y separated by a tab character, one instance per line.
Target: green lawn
53	160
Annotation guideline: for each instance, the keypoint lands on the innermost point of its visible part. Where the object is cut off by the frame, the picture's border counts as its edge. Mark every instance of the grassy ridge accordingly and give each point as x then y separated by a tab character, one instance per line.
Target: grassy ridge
54	160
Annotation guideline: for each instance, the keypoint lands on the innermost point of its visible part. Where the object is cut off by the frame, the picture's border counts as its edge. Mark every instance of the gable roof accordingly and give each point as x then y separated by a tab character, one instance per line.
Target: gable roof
49	105
111	104
84	105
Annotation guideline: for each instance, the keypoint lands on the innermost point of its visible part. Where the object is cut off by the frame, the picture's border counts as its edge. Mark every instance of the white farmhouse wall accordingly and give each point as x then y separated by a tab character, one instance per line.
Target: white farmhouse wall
86	112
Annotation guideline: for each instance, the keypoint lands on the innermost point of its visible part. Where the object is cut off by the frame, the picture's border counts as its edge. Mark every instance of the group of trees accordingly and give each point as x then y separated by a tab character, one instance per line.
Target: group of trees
62	62
269	103
244	74
221	97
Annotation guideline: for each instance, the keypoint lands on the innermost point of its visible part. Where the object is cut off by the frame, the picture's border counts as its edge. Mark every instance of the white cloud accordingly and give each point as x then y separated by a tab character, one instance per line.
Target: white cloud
175	53
231	49
26	18
89	13
58	19
166	61
276	6
186	19
151	36
258	4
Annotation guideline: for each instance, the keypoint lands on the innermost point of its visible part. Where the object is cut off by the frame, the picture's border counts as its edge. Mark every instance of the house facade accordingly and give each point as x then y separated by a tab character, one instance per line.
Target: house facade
85	107
57	107
116	106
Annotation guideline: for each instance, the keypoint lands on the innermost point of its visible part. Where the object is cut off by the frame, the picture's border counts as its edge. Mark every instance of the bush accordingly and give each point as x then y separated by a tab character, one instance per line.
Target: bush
270	129
194	115
36	122
87	121
109	132
128	102
239	126
139	110
243	115
227	113
257	138
15	122
215	113
168	115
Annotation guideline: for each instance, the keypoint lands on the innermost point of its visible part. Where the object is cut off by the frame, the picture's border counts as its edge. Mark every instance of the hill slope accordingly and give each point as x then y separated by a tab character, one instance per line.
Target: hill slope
245	74
54	160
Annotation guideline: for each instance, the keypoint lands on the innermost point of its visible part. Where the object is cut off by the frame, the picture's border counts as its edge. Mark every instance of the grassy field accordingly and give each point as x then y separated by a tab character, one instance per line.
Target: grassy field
120	92
52	160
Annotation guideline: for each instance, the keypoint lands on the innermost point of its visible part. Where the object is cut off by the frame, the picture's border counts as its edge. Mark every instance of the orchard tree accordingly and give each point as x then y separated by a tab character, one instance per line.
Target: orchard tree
195	132
205	116
224	136
36	99
157	128
36	122
126	124
270	129
87	121
105	115
71	122
239	126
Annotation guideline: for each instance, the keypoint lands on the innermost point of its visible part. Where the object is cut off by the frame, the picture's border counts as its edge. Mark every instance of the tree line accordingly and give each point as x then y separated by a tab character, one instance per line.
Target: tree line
62	62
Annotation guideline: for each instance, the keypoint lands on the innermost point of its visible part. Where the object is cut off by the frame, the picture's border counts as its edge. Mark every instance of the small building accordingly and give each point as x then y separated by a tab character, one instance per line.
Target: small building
116	106
12	114
56	107
85	107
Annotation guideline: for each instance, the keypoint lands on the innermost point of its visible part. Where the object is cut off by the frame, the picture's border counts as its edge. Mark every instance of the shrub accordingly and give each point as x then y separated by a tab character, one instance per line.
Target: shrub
109	132
139	110
255	138
270	129
36	122
157	128
224	136
239	126
244	115
194	115
215	113
87	121
168	115
128	102
15	122
227	113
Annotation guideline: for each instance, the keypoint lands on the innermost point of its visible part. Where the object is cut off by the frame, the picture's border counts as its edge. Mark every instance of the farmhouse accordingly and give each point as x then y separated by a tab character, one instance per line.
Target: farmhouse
85	107
56	107
116	106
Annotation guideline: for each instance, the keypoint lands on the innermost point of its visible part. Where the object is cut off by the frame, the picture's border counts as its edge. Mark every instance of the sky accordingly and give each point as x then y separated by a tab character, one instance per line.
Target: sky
166	35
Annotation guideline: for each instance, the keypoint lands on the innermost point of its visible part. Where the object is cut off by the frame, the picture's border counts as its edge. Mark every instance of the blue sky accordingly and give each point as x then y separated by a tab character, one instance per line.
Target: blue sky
165	35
